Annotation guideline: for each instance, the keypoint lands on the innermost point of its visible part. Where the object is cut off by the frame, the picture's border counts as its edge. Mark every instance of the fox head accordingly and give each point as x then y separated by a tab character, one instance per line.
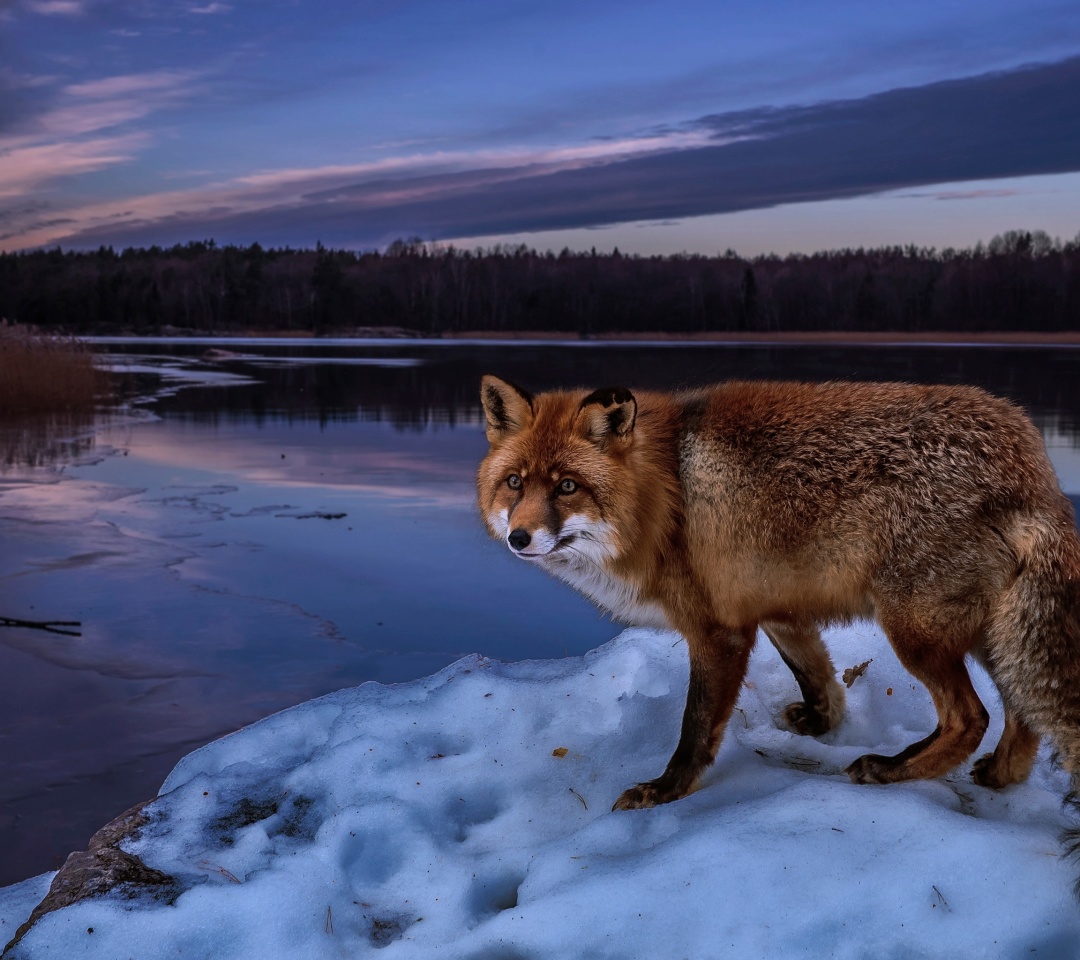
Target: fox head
549	483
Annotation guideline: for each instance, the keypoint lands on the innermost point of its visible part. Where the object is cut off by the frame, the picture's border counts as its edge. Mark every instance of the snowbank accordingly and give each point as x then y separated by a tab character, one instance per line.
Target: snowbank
468	815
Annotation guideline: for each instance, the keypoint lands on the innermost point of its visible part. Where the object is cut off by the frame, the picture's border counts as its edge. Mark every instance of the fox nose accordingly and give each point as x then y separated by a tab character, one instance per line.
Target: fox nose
519	539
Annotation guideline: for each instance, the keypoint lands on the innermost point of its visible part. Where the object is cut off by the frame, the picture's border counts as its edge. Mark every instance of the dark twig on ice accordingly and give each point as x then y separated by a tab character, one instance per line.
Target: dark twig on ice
50	626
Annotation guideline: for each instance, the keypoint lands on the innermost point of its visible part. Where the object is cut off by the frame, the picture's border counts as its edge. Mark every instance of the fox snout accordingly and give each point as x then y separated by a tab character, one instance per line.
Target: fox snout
536	543
519	539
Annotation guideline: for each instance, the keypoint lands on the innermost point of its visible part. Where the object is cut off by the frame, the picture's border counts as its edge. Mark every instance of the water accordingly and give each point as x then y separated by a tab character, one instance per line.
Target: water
268	528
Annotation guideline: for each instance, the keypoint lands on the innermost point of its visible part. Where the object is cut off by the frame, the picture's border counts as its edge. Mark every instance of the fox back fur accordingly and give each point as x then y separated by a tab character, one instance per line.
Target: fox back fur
789	506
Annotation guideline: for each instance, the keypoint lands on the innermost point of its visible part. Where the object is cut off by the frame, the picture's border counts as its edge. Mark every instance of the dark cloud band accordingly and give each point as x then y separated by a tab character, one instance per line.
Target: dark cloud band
1018	123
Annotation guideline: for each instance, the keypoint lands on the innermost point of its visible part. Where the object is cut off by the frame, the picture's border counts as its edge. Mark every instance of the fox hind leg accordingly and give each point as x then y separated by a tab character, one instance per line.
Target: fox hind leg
822	705
1012	758
962	719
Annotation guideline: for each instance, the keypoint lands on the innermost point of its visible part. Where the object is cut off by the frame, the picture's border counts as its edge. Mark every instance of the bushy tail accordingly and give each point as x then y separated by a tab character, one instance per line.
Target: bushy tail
1033	646
1070	836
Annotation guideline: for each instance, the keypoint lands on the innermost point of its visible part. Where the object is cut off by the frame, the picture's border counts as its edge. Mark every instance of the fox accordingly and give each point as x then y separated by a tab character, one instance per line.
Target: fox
787	507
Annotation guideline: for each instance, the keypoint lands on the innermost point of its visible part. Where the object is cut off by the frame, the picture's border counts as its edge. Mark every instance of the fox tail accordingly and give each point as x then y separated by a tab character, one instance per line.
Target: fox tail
1033	645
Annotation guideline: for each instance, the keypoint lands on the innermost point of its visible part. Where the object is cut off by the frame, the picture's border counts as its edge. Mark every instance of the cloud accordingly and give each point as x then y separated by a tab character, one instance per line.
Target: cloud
57	8
21	96
111	101
433	170
973	194
134	84
378	185
26	168
963	194
56	142
43	106
1018	123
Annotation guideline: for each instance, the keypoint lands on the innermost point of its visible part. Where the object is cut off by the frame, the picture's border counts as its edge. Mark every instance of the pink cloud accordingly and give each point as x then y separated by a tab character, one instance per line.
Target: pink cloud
973	194
129	84
28	167
54	8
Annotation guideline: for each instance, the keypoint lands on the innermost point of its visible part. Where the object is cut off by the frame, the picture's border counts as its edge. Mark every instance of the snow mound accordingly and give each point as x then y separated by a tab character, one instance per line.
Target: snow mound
468	815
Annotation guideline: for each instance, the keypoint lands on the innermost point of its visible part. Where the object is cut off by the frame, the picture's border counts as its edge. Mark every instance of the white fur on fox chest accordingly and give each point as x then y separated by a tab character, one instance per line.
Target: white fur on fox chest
616	596
585	569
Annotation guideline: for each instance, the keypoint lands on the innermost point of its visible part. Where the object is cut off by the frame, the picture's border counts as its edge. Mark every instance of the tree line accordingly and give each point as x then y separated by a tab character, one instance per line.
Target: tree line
1020	280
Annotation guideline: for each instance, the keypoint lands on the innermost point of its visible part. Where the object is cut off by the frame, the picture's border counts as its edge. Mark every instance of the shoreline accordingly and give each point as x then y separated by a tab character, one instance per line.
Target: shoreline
884	338
1007	338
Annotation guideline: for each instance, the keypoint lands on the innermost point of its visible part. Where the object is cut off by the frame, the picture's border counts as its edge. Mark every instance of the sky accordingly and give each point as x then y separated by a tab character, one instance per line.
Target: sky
754	125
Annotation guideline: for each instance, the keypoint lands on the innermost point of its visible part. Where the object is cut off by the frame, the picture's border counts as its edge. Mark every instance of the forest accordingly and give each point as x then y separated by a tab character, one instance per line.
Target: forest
1020	280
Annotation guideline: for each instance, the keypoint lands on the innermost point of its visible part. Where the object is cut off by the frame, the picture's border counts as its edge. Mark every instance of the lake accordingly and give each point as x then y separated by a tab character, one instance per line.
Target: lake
253	531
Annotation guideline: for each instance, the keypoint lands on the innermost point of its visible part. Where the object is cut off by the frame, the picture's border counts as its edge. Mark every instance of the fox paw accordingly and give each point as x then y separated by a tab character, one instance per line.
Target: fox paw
873	768
649	794
805	719
988	772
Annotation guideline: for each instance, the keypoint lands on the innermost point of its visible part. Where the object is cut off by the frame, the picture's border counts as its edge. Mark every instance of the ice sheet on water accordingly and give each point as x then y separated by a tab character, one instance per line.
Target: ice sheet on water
177	372
272	361
468	813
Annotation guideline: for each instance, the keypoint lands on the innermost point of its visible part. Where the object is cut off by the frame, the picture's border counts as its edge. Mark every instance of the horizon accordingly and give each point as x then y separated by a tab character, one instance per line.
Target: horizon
766	128
1033	243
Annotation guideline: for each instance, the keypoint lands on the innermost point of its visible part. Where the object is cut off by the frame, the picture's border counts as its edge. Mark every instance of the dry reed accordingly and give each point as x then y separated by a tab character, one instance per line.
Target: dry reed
40	373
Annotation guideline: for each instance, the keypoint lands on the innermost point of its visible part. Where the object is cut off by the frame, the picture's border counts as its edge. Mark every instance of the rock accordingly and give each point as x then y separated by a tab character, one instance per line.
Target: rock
103	867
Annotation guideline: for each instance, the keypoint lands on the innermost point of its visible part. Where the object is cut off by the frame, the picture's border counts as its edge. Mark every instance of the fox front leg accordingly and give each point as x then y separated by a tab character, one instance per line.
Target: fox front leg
717	668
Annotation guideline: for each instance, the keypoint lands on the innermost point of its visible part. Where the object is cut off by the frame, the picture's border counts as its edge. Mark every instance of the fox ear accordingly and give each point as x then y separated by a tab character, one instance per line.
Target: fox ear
507	408
607	413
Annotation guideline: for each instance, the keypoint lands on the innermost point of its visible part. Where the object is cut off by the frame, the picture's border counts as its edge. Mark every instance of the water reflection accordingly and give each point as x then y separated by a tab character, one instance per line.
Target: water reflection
37	440
414	386
299	522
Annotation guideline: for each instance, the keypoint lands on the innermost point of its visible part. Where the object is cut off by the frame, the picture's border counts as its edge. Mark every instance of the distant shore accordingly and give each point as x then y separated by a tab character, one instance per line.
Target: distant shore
1004	338
829	337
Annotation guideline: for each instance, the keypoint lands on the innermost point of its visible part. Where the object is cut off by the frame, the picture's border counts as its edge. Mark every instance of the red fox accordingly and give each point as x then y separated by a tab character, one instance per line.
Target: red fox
789	506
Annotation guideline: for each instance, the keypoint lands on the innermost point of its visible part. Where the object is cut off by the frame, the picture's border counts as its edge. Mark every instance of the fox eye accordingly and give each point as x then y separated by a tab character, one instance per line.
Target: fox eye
513	481
567	486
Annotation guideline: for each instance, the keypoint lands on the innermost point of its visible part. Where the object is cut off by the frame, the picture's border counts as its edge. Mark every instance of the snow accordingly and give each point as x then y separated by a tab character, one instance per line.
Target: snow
438	818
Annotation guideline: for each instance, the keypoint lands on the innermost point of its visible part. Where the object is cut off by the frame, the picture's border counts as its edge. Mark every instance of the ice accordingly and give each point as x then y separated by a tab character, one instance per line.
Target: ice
223	571
468	815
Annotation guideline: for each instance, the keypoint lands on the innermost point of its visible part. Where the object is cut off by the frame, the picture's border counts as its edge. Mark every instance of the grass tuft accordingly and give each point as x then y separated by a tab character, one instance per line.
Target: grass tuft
40	373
